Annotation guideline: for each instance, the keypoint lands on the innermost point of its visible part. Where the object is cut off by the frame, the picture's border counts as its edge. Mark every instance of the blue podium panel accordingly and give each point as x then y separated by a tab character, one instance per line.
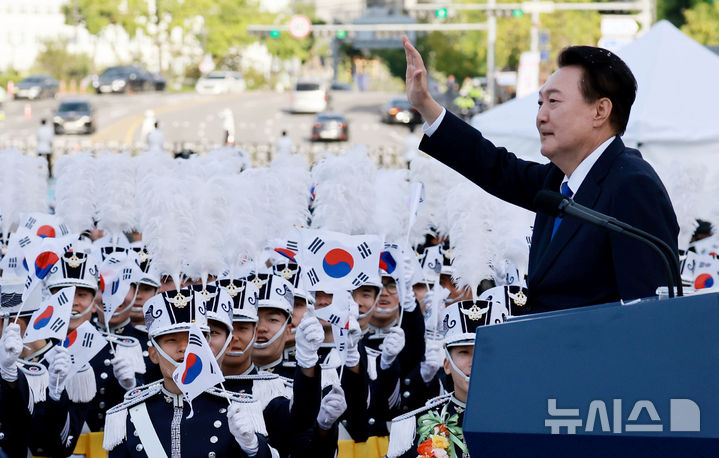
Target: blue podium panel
609	380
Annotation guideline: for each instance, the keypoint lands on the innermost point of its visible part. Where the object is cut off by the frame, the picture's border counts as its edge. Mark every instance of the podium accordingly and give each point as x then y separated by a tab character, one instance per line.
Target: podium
611	380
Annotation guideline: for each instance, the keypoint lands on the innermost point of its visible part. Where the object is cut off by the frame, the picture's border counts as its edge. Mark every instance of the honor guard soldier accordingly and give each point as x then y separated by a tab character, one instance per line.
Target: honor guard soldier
147	287
113	370
157	421
436	429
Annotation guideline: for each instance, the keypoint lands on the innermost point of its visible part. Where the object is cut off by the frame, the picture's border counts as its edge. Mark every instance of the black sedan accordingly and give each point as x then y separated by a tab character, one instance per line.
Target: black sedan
399	111
330	126
36	87
74	116
126	78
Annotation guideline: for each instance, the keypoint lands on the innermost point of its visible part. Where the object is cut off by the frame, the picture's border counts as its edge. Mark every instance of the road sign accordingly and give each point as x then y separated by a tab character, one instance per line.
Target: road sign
300	26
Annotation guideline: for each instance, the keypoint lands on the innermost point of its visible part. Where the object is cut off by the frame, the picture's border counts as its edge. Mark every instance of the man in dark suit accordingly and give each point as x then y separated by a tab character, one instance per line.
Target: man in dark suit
583	109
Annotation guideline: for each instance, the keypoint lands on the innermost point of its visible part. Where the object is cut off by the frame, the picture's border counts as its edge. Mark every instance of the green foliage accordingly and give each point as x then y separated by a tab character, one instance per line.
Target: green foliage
673	10
61	64
10	75
96	14
702	23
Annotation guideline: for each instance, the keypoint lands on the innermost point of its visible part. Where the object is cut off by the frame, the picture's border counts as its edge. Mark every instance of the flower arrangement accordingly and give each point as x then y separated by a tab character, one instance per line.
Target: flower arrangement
438	434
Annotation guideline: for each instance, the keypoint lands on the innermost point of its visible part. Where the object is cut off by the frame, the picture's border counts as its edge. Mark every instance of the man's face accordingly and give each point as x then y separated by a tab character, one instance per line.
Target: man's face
144	292
269	324
124	308
365	297
297	313
174	345
84	298
462	357
218	336
242	340
322	299
564	119
420	289
455	294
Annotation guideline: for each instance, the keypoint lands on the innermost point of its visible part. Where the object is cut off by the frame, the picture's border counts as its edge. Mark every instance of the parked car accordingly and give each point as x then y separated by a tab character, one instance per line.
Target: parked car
337	86
74	116
158	82
399	111
121	79
37	87
309	96
330	126
220	82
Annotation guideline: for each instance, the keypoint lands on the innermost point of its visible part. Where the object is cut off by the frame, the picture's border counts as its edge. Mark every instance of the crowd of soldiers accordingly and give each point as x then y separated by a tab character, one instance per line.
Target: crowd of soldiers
397	386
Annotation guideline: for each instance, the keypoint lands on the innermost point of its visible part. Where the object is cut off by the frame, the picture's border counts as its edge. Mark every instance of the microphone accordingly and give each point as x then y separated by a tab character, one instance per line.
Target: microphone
555	204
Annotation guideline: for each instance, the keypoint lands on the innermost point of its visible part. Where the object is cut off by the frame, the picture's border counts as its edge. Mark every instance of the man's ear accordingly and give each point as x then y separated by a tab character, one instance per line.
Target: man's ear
603	109
447	367
152	353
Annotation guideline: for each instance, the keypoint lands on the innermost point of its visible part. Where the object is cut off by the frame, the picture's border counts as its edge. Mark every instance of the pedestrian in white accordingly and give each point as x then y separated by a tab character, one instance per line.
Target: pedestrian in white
228	126
45	136
155	140
148	124
283	145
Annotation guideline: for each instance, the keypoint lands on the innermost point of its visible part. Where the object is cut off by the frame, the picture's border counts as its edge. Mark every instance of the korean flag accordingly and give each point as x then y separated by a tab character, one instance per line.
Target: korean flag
332	261
199	371
51	320
83	344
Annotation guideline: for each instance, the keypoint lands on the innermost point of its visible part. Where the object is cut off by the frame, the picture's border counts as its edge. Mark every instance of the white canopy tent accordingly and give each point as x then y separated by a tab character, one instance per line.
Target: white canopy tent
676	112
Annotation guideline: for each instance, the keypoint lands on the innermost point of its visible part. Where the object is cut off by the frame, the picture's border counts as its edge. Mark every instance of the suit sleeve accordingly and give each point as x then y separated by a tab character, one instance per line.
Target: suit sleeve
500	173
642	202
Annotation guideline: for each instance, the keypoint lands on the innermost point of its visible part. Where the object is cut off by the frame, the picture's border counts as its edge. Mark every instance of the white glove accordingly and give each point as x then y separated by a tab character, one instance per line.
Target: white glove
10	349
353	339
308	339
408	300
124	372
391	347
331	408
433	359
241	428
57	371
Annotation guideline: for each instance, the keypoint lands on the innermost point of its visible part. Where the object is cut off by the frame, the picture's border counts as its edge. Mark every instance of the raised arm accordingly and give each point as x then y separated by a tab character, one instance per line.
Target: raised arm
417	89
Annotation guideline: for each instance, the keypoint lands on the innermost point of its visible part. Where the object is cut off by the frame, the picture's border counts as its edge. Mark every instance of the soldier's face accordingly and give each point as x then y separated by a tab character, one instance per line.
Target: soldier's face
242	338
218	336
322	299
144	292
124	309
297	313
84	299
455	294
462	357
269	324
174	345
365	296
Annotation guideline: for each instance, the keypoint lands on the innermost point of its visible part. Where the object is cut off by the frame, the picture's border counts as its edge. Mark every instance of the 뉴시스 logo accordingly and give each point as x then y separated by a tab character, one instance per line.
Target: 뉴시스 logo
684	415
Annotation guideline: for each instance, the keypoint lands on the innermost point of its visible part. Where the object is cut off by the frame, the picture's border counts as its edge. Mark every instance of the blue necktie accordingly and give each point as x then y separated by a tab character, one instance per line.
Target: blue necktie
558	220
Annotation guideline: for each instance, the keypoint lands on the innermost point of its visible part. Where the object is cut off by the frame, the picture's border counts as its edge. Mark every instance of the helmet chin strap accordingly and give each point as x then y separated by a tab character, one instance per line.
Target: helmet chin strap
79	315
130	305
162	352
365	315
454	366
382	311
224	347
249	345
275	337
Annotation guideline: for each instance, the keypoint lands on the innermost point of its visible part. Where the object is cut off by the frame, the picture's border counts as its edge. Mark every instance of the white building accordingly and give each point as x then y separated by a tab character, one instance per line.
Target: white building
24	27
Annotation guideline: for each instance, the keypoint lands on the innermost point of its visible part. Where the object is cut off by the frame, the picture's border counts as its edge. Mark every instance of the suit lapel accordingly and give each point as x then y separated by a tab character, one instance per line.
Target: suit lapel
587	196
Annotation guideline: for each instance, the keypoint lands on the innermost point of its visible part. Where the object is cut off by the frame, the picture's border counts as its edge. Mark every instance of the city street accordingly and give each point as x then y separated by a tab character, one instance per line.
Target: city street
193	121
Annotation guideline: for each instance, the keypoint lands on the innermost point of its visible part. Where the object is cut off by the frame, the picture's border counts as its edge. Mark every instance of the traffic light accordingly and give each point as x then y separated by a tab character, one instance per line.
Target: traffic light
441	13
275	33
341	34
517	12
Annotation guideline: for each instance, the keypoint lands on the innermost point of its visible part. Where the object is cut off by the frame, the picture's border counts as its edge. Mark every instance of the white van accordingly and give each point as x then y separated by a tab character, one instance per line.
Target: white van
309	96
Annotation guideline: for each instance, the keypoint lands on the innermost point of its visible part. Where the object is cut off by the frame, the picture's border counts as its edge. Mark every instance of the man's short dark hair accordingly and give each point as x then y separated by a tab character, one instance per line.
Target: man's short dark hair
605	75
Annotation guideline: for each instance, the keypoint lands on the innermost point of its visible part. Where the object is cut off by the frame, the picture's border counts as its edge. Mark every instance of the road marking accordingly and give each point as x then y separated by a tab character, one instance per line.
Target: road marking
131	123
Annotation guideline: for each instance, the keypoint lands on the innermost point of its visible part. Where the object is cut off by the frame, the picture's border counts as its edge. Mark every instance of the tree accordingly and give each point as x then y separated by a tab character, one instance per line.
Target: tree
673	10
63	65
702	23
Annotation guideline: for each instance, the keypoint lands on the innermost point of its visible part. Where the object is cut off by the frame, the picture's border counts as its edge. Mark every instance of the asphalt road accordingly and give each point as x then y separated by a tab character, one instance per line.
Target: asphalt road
191	120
